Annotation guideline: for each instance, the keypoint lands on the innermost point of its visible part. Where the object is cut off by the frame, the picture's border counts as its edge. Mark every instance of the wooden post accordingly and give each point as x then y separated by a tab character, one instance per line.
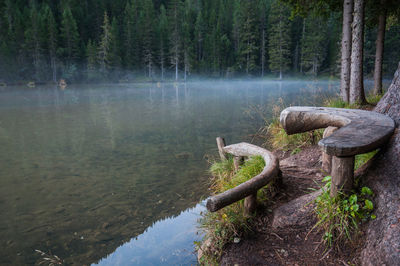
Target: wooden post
221	144
237	161
250	204
326	158
342	174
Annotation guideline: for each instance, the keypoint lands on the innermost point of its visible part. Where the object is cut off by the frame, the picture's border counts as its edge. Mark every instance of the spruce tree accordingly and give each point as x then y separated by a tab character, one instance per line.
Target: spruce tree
34	36
104	55
175	19
91	60
279	38
162	33
314	44
70	42
147	22
51	40
249	34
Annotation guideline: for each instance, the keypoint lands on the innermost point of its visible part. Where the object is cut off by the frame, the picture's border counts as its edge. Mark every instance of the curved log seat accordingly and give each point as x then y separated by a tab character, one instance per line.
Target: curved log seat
359	132
249	188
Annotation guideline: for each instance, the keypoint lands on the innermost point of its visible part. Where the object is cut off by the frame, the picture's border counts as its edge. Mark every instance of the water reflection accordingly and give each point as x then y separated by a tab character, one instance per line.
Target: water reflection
167	242
84	170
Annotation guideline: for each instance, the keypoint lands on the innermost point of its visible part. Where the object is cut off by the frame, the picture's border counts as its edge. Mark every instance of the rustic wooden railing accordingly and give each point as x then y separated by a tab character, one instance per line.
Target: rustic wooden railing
355	132
247	190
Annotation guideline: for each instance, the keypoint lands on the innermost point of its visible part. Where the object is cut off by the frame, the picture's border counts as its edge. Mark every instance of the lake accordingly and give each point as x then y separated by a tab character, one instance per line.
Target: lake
114	174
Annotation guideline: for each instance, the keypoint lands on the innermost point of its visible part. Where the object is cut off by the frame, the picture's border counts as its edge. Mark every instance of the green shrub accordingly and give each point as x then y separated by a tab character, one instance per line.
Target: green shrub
339	217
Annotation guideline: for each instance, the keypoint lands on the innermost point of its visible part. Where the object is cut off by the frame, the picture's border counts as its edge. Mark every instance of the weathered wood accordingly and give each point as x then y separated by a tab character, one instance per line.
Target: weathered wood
327	158
250	204
221	144
342	174
250	187
382	241
237	162
359	131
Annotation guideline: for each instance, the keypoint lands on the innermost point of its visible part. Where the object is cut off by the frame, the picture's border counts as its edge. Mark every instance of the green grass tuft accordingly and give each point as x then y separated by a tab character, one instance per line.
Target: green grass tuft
223	226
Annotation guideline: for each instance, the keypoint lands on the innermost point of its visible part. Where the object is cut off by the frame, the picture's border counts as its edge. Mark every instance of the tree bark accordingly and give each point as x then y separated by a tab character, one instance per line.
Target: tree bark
380	39
346	49
383	234
357	50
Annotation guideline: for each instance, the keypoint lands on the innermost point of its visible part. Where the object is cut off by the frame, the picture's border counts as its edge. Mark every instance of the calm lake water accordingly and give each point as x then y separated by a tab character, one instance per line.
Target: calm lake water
113	174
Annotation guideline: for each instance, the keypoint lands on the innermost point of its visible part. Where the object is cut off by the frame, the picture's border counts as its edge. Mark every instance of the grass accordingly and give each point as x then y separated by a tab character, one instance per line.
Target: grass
361	159
225	225
339	217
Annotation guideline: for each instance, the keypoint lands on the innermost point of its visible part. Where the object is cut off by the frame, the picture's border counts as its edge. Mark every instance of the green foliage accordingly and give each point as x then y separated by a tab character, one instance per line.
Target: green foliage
218	38
279	38
278	139
313	44
339	217
361	159
223	226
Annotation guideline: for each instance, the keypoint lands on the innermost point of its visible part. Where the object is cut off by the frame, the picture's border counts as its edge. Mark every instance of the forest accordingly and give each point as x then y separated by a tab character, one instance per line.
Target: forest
155	40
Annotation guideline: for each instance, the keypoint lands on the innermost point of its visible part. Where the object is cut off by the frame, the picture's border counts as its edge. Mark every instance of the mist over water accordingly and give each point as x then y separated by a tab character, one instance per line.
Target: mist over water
88	169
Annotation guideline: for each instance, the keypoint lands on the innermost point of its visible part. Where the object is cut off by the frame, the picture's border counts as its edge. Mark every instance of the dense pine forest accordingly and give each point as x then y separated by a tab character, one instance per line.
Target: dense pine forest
131	40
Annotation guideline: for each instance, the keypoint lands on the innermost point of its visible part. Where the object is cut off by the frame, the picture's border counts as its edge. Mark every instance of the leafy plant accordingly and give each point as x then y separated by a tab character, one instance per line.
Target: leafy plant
339	217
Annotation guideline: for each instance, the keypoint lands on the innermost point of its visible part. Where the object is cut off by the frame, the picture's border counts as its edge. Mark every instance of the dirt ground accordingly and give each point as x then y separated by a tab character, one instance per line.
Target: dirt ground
292	245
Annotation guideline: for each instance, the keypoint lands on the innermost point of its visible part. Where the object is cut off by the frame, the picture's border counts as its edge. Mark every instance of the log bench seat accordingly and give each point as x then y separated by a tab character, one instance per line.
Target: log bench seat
358	132
247	190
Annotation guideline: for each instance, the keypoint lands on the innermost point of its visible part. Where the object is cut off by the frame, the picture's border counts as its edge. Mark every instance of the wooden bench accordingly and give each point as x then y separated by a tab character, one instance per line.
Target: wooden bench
247	190
358	132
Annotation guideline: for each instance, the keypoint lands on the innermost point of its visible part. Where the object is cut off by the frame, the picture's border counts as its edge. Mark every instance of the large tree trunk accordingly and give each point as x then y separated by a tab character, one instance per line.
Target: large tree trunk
346	49
357	51
383	234
379	50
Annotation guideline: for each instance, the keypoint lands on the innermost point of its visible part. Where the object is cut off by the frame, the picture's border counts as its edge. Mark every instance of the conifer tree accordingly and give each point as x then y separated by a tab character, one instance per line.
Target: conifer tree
162	33
130	35
147	19
104	55
175	13
91	59
279	38
70	41
249	35
34	40
51	40
314	44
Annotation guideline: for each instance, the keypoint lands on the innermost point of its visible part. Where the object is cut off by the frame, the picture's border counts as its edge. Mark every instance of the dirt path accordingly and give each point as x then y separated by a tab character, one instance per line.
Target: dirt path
293	244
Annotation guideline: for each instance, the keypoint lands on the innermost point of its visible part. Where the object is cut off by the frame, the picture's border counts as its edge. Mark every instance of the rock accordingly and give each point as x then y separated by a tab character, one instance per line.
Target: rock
296	212
204	246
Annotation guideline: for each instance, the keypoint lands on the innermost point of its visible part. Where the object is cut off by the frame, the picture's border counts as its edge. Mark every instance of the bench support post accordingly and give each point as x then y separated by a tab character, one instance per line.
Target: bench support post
326	158
221	144
250	204
237	161
342	174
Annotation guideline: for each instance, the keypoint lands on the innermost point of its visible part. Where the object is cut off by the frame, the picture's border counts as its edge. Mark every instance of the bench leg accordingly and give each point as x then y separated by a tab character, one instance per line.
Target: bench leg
250	204
238	161
326	158
342	174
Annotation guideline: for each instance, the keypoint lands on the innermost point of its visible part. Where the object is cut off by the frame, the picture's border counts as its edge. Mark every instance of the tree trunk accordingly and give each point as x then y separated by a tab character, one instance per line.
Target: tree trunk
380	39
357	51
383	234
346	50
